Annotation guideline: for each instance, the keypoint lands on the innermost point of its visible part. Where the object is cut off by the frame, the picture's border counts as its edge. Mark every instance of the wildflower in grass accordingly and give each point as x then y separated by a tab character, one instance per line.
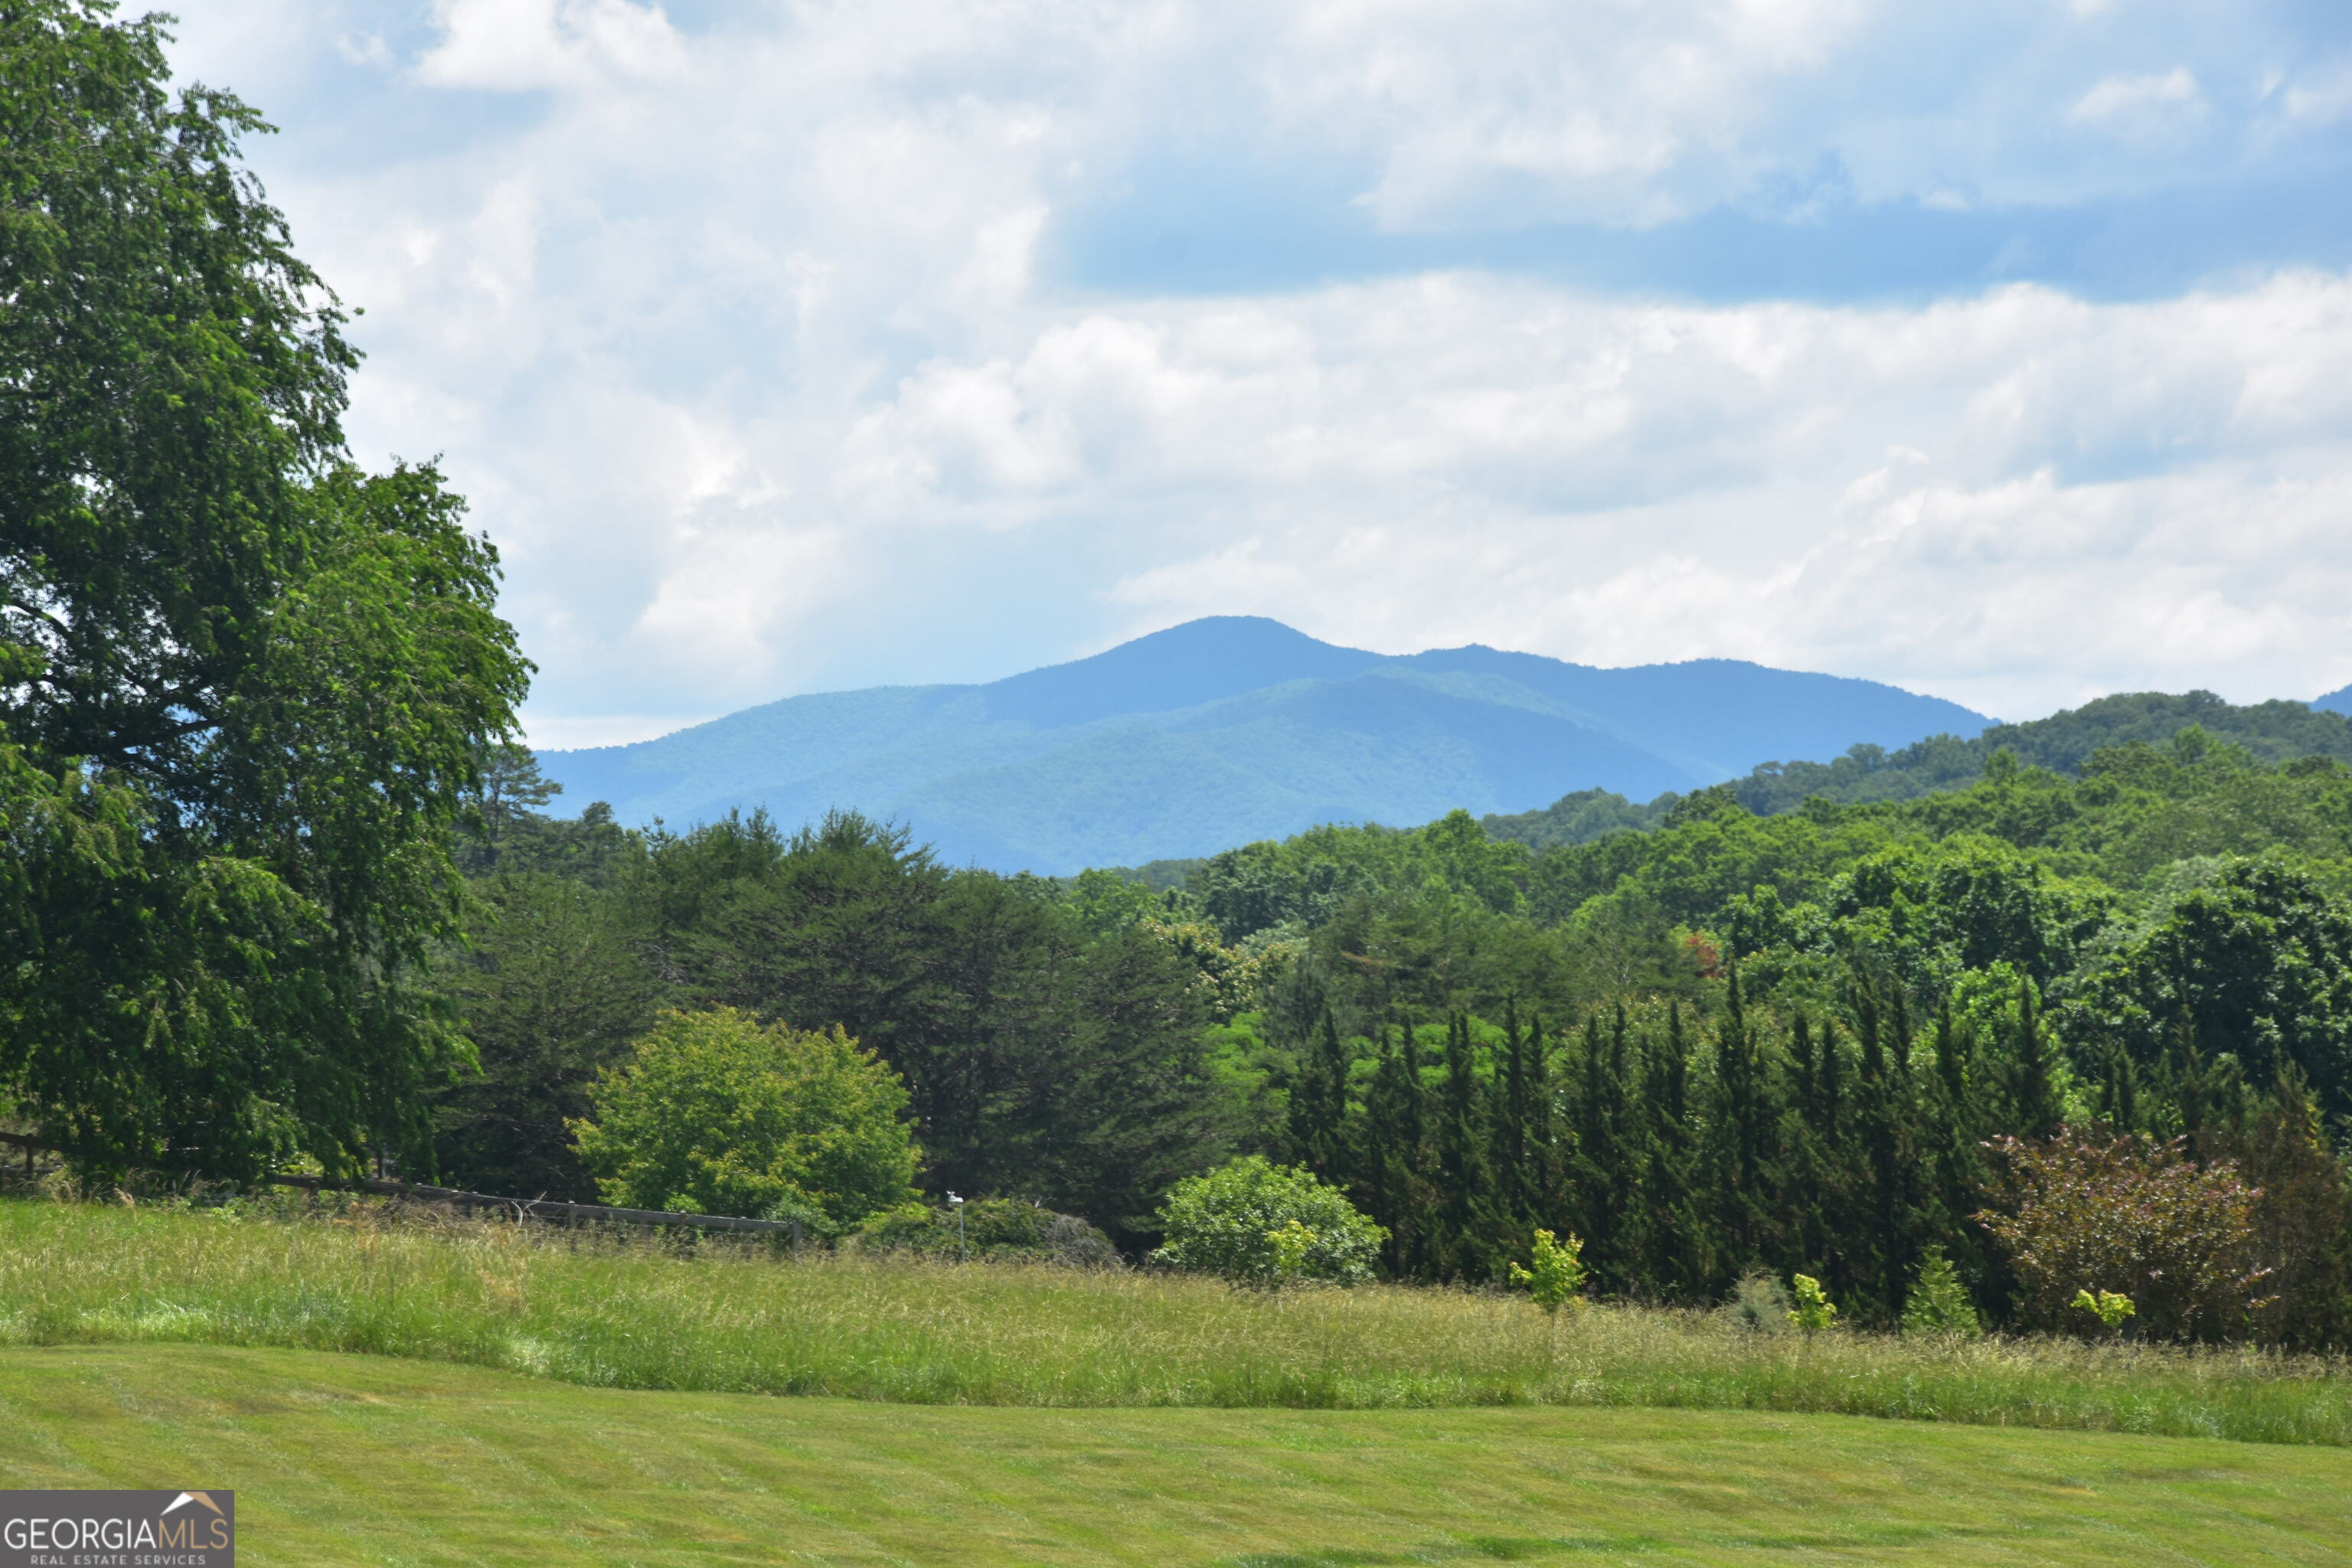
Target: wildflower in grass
1940	1303
1558	1277
1814	1311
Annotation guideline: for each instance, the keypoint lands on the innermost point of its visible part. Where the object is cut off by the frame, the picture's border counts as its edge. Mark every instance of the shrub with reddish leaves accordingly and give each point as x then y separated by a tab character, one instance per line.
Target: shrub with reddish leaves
2138	1218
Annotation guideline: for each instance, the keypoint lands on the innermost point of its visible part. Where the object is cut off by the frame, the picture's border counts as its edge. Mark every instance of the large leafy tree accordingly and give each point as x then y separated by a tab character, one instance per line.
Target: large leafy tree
2259	965
243	685
715	1112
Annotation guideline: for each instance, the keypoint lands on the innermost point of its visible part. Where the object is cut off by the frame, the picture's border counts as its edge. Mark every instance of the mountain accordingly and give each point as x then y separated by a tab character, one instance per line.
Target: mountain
1232	729
2337	701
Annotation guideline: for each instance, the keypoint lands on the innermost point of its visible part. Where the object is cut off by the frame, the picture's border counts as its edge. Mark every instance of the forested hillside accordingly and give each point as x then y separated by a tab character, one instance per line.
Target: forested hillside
2274	731
1793	1041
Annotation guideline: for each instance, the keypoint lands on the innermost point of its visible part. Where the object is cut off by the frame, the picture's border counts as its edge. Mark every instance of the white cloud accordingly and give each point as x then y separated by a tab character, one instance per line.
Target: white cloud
2322	94
519	44
746	341
2120	98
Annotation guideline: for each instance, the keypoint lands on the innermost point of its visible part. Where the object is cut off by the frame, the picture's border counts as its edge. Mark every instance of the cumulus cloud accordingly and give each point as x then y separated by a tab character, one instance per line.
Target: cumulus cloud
744	328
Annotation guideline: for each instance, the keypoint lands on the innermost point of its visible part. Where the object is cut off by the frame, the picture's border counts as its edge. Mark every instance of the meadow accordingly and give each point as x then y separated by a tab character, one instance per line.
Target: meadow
598	1311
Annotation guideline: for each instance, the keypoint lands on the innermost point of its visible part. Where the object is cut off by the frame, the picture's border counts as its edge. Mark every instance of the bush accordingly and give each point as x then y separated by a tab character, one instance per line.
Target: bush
2131	1217
1558	1277
1760	1303
717	1113
995	1230
1226	1223
1940	1303
1814	1312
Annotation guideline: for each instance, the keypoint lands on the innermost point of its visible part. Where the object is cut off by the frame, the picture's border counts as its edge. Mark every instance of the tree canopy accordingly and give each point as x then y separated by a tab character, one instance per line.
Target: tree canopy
243	685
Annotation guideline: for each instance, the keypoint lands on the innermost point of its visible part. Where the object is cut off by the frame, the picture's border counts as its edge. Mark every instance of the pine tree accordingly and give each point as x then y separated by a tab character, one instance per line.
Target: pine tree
1949	1135
1522	1152
1631	1129
1395	1117
1939	1303
1678	1264
1742	1163
1883	1257
1593	1166
2035	1110
1816	1196
1318	1105
1468	1244
2119	1091
2191	1090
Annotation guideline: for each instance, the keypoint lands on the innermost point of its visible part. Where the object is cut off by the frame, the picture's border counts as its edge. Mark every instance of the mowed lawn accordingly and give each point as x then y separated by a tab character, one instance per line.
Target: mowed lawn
363	1459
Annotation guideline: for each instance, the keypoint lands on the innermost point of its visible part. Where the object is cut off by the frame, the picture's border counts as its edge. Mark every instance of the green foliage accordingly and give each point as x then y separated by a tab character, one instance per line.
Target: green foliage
553	991
2261	960
260	678
1939	1302
2140	1219
1557	1277
1579	818
1814	1311
1255	1222
1040	1062
992	1230
716	1114
1289	1247
1103	902
510	833
2108	1305
2065	742
1308	879
2302	1220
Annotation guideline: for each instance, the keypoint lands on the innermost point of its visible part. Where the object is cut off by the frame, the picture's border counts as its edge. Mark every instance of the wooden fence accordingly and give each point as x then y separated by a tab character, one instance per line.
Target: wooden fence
521	1208
545	1208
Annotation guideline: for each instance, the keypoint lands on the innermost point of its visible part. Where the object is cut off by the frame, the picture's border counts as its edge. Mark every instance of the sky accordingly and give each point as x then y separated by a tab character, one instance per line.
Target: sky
2000	350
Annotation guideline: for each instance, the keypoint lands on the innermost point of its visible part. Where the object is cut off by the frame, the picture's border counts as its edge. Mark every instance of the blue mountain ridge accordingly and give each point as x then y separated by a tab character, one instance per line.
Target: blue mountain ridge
1234	727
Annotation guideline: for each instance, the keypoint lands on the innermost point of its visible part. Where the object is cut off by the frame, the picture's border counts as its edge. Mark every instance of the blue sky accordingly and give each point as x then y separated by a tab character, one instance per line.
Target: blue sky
1997	350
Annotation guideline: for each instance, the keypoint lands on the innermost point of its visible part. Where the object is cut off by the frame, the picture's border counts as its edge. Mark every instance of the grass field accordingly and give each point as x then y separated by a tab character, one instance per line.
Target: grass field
361	1459
607	1315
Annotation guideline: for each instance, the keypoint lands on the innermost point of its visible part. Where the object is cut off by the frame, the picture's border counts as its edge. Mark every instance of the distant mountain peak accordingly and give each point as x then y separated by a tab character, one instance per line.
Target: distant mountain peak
1183	666
1230	728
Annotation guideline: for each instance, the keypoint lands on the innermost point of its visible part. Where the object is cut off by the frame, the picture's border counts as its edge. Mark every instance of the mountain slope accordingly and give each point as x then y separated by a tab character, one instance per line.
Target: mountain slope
1232	728
2272	731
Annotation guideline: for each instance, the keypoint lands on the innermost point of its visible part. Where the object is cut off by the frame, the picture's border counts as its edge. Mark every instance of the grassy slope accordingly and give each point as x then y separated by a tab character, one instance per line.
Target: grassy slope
720	1321
355	1460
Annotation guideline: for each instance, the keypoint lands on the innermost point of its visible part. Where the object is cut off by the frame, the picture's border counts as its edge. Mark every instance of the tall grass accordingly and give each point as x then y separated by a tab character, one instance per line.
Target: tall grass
614	1314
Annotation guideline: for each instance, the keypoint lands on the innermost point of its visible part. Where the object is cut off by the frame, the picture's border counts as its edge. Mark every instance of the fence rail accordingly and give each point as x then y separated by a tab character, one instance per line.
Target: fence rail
544	1208
521	1208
